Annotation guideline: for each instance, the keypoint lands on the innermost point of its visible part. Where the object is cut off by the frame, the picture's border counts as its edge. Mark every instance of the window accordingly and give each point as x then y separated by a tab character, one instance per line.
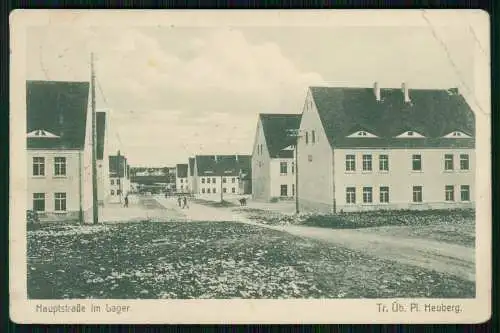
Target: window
367	195
350	195
118	182
383	162
449	193
307	138
60	202
208	180
409	133
465	193
293	168
182	180
233	180
350	162
417	193
214	190
112	192
464	162
284	190
283	168
233	190
112	182
417	162
310	158
224	180
384	194
203	180
367	162
118	192
224	190
448	162
313	136
39	202
213	180
182	187
203	190
38	166
208	190
293	189
362	133
59	166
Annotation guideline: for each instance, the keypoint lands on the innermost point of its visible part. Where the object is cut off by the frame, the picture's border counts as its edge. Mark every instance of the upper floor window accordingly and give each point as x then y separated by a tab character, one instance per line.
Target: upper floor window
38	166
59	166
448	162
224	180
350	162
464	162
208	180
283	168
233	180
307	137
203	180
367	162
213	180
112	181
313	136
417	162
383	162
39	202
410	134
293	168
118	181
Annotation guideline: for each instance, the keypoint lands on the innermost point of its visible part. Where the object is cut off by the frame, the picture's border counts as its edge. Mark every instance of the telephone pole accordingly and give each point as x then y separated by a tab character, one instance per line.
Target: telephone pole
95	210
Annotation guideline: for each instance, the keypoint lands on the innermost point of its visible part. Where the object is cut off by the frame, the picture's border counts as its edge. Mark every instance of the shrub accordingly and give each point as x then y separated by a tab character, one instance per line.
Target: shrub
32	216
274	199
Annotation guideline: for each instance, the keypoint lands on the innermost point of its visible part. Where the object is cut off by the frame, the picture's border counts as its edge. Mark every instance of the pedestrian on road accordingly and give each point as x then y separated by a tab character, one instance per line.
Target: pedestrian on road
179	201
185	203
126	200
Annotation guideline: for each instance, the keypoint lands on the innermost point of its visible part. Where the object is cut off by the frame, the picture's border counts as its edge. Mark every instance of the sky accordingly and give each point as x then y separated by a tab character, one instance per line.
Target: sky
175	92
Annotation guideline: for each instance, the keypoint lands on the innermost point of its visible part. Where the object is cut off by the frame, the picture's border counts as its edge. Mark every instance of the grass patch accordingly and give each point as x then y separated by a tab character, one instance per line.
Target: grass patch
214	260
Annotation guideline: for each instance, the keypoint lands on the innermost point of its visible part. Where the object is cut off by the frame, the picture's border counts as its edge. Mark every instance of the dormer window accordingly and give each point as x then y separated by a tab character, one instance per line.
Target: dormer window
410	134
457	135
41	134
362	134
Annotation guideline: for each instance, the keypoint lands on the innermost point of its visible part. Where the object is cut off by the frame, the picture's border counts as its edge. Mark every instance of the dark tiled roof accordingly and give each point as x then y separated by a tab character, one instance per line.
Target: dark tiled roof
117	164
191	166
100	133
182	170
222	165
276	128
59	108
432	113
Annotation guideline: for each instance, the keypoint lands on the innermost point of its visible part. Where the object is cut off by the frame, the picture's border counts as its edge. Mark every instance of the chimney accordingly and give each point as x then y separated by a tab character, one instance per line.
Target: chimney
376	91
404	89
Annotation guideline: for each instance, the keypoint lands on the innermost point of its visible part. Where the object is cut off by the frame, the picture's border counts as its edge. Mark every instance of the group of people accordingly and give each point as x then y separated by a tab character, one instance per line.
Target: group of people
182	202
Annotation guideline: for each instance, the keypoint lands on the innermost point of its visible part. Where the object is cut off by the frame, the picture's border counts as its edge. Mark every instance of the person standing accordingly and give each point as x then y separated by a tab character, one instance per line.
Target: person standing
126	200
179	201
185	203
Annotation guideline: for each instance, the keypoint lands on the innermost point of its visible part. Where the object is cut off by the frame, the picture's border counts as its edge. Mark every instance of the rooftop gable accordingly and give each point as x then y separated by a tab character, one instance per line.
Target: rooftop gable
276	129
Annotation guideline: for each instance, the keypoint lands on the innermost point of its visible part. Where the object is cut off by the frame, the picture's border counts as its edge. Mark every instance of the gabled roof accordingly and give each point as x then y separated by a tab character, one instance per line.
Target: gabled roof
432	113
59	108
117	165
275	127
222	165
191	166
182	170
100	133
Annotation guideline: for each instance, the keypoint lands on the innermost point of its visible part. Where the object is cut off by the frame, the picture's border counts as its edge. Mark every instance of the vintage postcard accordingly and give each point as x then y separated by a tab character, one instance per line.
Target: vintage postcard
250	167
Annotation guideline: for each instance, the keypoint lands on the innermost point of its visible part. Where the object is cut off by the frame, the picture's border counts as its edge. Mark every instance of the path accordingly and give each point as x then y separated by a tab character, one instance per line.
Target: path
438	256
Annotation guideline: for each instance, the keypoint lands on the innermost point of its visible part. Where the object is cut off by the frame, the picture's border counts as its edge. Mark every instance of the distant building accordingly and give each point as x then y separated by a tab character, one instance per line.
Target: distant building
214	174
367	149
182	179
273	162
59	142
119	179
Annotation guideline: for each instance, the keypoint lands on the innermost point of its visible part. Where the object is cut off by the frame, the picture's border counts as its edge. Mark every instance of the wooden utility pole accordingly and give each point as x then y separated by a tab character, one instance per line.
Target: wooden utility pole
95	210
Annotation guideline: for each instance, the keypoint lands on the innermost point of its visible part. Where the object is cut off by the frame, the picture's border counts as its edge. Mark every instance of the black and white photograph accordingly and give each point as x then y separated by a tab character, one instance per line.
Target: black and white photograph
250	162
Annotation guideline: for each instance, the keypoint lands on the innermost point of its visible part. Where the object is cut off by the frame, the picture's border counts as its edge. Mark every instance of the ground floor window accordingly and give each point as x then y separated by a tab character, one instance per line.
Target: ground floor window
208	190
60	201
112	192
367	194
233	190
202	190
417	193
39	202
293	189
284	190
449	193
224	190
350	195
465	192
214	190
384	194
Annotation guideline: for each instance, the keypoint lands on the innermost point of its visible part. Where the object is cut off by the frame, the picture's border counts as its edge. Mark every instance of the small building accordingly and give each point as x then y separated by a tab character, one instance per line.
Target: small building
273	162
182	179
216	174
119	179
372	148
59	154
